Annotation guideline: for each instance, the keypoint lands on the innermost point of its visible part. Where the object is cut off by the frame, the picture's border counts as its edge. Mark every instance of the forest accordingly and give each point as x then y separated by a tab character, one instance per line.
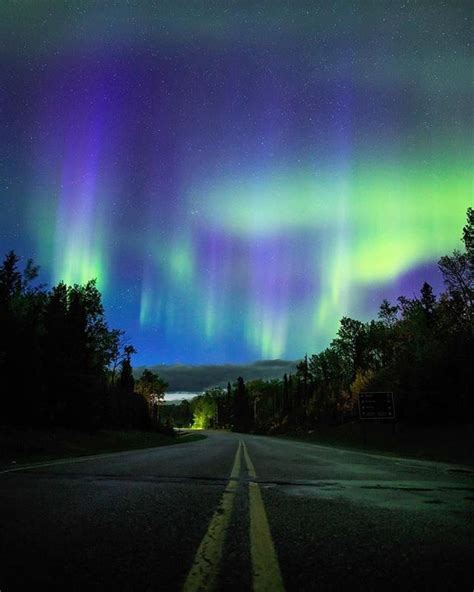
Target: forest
61	364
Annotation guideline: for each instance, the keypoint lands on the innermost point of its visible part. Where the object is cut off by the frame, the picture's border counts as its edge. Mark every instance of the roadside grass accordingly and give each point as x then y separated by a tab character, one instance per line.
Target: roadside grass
452	444
32	445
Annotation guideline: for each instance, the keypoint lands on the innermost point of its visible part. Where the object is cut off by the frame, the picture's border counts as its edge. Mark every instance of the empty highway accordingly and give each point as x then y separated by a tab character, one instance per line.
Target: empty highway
237	512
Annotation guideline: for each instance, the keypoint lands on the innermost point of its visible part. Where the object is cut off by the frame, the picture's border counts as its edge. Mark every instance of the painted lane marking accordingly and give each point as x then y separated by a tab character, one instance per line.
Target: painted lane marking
76	459
266	575
433	464
205	569
66	461
250	468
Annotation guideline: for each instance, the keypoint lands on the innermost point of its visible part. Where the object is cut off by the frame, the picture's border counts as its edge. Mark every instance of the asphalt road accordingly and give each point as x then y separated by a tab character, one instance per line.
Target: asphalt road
237	512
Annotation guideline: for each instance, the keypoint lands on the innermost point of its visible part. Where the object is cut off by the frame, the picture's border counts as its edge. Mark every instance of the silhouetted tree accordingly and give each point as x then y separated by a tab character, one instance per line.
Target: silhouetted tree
241	406
152	387
61	336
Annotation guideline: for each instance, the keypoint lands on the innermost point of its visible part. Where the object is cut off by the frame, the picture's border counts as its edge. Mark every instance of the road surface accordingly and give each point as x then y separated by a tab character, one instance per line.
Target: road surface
237	512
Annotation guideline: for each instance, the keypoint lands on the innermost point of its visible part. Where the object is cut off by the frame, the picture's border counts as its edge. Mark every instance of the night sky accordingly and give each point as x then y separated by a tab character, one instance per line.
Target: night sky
236	175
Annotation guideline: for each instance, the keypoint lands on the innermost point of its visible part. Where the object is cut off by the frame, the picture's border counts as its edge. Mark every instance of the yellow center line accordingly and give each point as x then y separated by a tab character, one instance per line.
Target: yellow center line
250	468
205	569
266	573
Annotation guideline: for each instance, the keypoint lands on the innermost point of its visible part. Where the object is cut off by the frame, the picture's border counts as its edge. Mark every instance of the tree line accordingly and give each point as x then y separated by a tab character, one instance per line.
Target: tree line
420	348
60	363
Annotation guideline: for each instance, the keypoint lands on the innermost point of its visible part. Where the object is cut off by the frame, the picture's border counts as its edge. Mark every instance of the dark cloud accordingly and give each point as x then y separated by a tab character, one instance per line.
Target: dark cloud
198	378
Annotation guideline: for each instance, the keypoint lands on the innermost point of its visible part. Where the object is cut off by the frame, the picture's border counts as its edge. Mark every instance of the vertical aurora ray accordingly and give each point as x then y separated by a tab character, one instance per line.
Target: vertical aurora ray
213	253
269	295
79	254
74	162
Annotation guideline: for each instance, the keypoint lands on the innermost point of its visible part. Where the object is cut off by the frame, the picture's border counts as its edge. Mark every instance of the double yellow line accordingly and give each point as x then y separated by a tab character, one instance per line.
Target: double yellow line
266	575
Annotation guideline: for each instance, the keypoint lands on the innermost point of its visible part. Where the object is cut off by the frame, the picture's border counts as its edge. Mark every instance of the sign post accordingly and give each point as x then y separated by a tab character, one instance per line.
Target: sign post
376	405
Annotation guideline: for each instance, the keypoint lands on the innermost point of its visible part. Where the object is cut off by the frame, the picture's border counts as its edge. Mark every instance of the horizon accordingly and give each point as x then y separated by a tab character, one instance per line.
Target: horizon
198	378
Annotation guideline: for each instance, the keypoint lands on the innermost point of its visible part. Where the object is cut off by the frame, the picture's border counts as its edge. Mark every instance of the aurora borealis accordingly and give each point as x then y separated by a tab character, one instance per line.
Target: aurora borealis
237	176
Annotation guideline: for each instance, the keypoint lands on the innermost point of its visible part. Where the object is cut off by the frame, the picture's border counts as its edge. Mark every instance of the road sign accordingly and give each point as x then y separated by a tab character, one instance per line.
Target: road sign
376	405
